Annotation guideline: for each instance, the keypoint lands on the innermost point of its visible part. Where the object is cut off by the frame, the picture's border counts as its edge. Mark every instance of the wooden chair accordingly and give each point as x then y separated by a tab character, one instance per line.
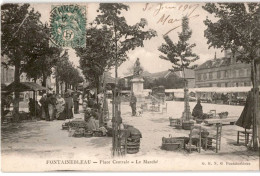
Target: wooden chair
164	108
244	134
194	137
215	139
213	113
175	123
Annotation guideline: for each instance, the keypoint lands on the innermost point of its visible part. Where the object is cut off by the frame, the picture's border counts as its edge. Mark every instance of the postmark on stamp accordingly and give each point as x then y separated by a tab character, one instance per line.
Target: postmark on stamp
68	26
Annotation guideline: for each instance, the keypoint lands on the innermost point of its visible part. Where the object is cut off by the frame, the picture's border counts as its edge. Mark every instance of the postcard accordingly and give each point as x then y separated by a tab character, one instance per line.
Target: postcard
130	86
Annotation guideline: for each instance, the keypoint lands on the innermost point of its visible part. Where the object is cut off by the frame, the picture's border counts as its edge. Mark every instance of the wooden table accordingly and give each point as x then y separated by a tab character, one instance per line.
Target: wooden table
229	120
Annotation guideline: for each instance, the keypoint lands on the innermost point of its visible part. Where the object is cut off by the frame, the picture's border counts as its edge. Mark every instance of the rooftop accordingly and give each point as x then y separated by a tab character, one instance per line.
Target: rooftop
224	61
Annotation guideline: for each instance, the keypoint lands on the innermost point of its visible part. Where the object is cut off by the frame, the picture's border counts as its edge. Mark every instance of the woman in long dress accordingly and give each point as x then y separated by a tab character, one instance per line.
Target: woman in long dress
68	105
197	111
44	104
51	105
60	106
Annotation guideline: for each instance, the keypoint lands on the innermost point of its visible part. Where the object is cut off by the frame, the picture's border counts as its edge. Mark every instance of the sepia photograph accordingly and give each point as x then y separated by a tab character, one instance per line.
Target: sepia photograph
130	87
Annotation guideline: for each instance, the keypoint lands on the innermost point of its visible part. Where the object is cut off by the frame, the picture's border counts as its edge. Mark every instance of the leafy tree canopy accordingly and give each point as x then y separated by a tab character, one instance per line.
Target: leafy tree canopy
237	28
179	54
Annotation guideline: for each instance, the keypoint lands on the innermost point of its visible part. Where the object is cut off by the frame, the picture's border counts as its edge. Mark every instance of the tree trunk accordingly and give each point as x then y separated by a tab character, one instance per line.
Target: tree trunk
16	93
256	101
44	80
34	97
57	85
97	84
66	87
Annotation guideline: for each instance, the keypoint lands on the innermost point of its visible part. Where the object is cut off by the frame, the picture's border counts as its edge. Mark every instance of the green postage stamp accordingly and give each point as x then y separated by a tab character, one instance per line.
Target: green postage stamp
68	26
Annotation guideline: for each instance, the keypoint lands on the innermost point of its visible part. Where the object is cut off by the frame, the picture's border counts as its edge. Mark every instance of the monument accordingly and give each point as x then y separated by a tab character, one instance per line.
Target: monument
137	83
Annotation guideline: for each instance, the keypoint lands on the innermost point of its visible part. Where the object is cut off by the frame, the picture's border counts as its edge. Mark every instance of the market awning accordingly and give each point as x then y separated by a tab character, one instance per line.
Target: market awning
174	90
24	86
223	89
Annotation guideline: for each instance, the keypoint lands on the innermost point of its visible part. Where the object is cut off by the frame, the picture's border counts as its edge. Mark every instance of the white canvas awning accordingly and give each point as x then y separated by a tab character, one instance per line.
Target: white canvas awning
212	89
224	89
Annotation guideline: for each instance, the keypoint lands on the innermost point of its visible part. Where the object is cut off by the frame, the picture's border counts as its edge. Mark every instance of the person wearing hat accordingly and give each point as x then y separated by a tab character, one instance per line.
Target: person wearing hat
76	102
51	100
45	111
133	101
68	105
60	106
197	111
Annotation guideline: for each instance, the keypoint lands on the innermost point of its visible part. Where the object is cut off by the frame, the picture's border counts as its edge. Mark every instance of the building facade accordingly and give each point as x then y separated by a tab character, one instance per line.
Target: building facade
223	72
150	77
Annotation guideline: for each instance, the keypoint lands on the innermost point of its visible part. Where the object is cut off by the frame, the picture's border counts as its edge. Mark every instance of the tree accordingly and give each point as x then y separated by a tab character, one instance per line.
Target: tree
125	37
181	56
20	28
42	58
172	82
71	76
237	29
97	56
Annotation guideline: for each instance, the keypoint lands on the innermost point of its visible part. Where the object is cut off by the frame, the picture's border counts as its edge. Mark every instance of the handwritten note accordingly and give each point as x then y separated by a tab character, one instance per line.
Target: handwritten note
164	13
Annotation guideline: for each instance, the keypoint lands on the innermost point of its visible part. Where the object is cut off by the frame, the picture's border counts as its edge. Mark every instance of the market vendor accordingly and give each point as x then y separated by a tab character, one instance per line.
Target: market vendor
92	123
197	111
76	102
68	105
45	111
60	106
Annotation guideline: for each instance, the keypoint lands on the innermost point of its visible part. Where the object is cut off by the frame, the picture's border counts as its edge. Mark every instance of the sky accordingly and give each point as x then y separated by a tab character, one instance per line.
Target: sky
163	18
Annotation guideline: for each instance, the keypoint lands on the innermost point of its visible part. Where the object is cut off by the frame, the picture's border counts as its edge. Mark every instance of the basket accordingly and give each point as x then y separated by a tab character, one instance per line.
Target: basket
175	123
80	132
204	134
187	125
65	126
172	144
88	134
199	121
97	134
132	151
223	115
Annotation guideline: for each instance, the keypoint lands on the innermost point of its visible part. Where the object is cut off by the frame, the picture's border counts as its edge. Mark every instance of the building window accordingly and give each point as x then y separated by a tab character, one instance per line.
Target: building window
241	72
199	77
226	84
205	76
210	75
219	85
234	73
225	74
218	74
248	72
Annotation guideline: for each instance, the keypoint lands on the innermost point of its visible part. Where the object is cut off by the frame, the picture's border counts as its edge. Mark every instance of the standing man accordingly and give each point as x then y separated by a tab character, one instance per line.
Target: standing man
76	102
133	101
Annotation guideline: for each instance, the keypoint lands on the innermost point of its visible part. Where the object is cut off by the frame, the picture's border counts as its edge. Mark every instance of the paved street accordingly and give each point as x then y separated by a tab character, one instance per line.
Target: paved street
41	140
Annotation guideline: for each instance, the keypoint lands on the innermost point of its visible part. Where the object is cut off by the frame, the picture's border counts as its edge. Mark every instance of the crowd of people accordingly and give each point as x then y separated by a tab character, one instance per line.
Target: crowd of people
55	106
